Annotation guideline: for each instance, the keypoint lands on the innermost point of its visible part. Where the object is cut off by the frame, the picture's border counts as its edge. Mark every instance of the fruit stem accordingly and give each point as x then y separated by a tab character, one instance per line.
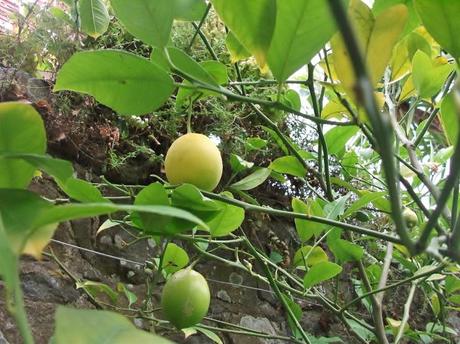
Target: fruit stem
189	120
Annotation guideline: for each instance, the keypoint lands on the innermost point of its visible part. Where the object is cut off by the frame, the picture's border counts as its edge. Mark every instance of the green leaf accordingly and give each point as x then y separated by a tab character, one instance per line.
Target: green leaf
309	256
130	296
255	143
188	66
289	165
19	210
252	22
82	191
97	288
363	201
127	83
150	21
75	211
60	169
210	334
238	164
337	138
305	228
450	119
227	220
428	78
155	194
189	197
345	250
216	70
237	51
94	17
452	284
189	10
321	272
21	132
302	28
80	326
440	18
252	181
174	258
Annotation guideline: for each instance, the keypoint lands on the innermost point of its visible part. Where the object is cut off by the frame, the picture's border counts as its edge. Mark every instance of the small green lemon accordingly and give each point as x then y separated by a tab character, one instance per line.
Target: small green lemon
185	299
195	159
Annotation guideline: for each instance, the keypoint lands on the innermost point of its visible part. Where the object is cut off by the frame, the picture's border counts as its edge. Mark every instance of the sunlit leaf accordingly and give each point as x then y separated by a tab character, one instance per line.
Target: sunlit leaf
129	84
252	181
21	131
80	326
321	272
377	37
308	256
440	18
94	17
289	165
150	21
302	28
252	22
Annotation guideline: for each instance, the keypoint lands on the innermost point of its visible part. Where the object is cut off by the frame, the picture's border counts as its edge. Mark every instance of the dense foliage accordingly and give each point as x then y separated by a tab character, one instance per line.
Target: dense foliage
349	115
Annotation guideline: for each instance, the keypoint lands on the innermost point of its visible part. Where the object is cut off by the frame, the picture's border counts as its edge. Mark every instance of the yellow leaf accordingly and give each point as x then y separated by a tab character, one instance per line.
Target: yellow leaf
400	64
377	38
408	89
334	110
38	241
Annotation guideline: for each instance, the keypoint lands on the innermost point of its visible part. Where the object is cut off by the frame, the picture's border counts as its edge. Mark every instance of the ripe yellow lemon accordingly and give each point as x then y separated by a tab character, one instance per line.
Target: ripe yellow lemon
195	159
185	299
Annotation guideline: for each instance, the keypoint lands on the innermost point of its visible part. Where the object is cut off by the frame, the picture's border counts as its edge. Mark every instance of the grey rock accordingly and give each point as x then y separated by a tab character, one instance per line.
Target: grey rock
223	295
37	89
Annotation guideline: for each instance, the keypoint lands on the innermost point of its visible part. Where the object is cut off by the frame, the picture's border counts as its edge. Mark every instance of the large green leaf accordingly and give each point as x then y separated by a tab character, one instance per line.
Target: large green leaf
127	83
82	326
155	194
94	17
227	220
309	256
189	197
337	137
253	180
189	67
302	28
321	272
450	119
19	210
305	228
363	201
289	165
21	131
237	50
440	18
189	9
62	172
252	22
150	21
427	76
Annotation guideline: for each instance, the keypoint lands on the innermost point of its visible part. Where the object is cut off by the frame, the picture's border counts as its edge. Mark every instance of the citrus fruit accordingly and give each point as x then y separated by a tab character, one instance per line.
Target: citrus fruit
410	217
185	299
195	159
